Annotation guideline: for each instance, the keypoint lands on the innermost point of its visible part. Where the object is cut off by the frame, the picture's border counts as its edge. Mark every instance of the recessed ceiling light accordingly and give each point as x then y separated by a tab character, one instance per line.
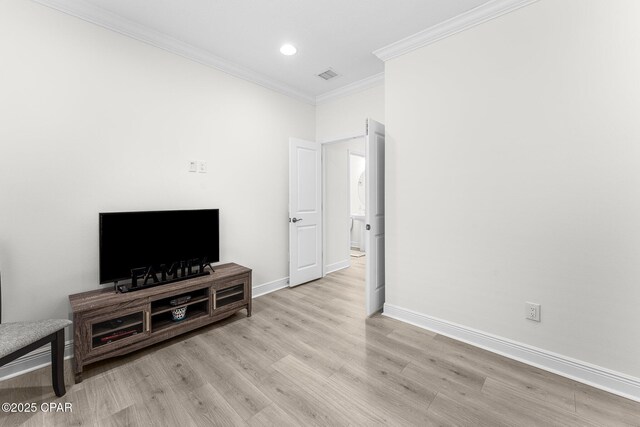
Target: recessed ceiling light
288	50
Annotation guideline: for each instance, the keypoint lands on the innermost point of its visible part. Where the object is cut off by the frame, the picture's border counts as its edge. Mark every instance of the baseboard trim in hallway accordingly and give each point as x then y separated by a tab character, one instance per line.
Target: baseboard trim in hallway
267	288
595	376
337	266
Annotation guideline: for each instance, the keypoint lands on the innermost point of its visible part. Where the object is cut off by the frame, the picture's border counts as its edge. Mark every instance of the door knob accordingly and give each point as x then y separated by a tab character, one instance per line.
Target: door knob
294	220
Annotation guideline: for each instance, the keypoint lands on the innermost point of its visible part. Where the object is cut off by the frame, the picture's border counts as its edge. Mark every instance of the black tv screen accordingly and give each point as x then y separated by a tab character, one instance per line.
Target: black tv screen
131	240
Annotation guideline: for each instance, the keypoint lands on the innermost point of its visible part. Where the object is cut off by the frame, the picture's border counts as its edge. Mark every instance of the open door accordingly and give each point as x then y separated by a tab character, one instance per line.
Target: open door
305	211
374	216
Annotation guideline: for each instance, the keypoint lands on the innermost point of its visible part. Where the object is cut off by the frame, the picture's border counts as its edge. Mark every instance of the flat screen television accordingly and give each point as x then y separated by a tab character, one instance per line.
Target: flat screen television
130	240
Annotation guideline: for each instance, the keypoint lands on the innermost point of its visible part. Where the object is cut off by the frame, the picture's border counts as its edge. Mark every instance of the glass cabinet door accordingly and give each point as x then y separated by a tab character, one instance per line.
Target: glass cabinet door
128	326
231	294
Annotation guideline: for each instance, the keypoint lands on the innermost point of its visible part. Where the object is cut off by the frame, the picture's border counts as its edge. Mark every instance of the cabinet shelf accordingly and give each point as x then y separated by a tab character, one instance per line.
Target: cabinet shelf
106	331
228	295
168	307
116	336
166	322
115	324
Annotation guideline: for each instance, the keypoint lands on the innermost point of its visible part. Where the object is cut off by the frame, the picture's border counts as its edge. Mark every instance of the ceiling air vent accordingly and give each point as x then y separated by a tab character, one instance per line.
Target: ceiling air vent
328	75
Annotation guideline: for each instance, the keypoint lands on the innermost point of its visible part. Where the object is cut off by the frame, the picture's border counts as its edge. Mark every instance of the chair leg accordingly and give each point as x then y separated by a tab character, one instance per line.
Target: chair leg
57	363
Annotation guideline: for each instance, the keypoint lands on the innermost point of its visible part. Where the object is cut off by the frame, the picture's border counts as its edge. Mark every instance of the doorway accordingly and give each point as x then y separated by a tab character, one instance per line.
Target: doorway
343	225
320	242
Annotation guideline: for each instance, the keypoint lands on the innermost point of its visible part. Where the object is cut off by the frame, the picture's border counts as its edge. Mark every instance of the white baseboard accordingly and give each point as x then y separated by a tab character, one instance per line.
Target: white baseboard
35	360
42	357
332	268
267	288
595	376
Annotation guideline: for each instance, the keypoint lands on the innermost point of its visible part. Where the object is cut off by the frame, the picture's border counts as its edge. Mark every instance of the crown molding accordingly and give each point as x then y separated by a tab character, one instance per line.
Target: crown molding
476	16
351	88
96	15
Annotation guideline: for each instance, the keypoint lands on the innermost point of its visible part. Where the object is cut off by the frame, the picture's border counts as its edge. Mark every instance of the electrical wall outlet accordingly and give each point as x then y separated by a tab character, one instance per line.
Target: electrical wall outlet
532	311
193	166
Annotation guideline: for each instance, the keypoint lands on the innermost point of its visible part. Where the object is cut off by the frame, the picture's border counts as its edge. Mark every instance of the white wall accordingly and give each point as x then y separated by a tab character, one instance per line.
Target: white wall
346	115
515	147
93	121
356	170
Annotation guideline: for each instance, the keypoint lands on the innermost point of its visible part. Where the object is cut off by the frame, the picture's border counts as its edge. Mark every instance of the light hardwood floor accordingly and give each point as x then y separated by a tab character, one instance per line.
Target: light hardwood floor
308	356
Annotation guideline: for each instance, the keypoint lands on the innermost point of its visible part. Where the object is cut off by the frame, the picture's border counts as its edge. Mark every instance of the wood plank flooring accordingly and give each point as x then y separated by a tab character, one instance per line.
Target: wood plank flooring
308	356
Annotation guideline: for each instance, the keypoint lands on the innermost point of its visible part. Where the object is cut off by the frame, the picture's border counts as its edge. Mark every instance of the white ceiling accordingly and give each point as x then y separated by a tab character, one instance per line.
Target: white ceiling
341	34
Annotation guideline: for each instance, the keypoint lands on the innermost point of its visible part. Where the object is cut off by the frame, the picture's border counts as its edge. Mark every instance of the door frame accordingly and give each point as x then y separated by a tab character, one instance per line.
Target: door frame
323	145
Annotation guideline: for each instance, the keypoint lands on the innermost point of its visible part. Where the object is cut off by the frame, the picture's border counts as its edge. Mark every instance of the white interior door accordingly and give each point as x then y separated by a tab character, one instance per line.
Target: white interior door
305	211
374	216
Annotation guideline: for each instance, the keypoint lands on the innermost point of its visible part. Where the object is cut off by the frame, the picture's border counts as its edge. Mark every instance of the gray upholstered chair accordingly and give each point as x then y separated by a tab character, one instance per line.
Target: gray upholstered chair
20	338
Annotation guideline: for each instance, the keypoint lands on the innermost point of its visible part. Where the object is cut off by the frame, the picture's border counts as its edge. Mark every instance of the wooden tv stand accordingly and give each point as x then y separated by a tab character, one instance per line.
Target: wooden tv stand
109	324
